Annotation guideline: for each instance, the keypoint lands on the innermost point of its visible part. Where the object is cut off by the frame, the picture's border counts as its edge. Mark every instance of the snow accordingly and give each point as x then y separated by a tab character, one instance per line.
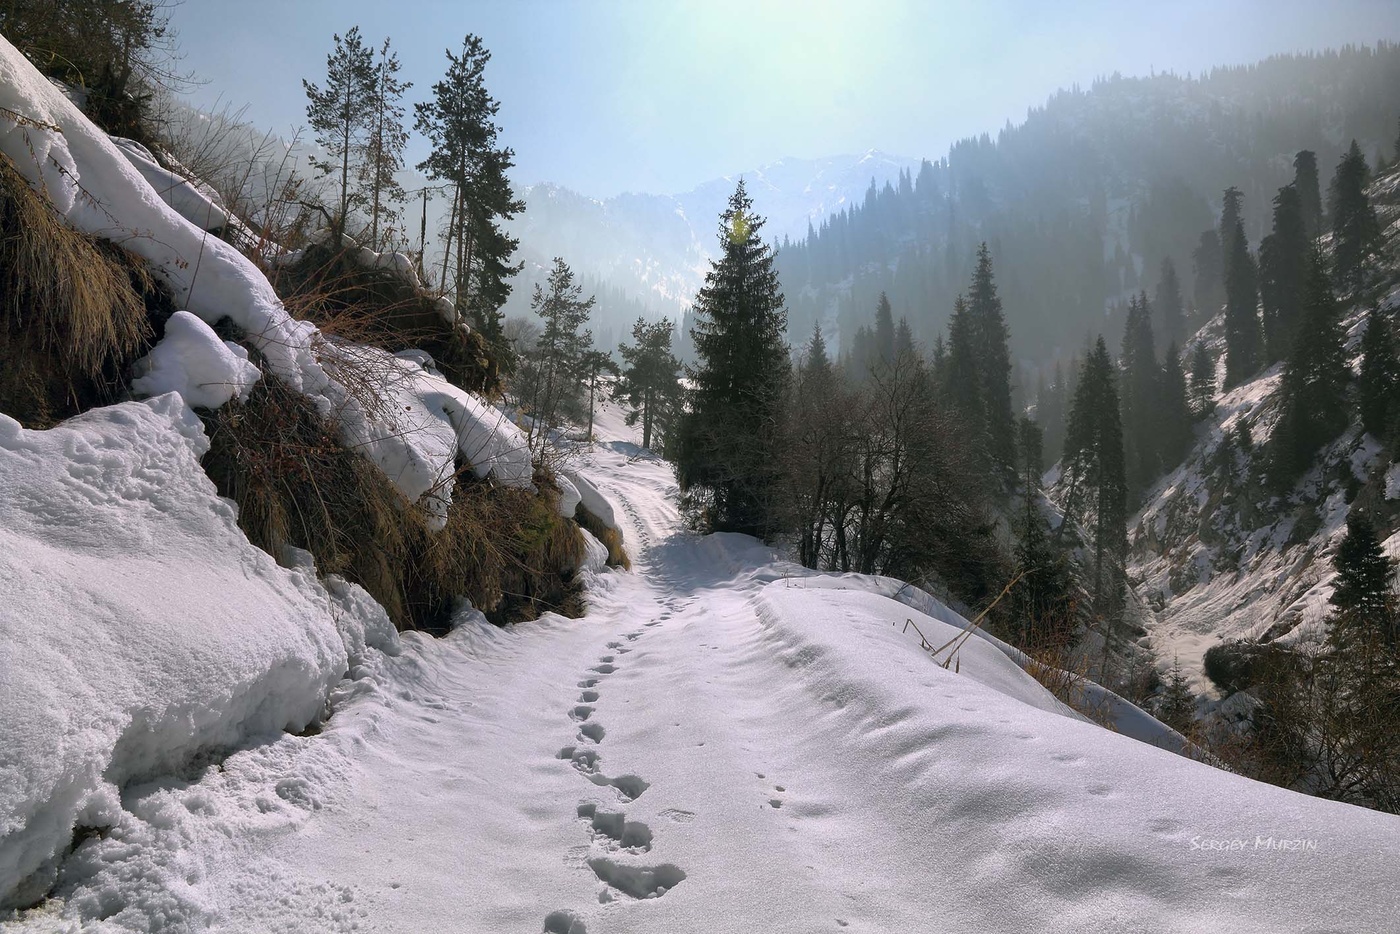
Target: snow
141	628
569	496
194	201
191	360
98	189
592	499
726	743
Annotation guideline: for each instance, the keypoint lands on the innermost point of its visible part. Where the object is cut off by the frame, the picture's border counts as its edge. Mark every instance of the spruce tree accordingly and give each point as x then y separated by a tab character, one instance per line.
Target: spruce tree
991	340
1097	485
459	123
903	339
1313	389
1243	350
1231	216
963	374
1175	411
1178	707
1042	601
558	356
1140	398
1378	385
1282	264
1305	181
1355	229
727	462
884	332
1202	382
1209	289
341	115
1171	316
1364	611
650	378
384	150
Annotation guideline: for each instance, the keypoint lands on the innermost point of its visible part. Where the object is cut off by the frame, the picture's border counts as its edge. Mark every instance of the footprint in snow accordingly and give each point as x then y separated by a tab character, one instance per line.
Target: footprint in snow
588	697
604	669
581	712
592	731
637	881
563	922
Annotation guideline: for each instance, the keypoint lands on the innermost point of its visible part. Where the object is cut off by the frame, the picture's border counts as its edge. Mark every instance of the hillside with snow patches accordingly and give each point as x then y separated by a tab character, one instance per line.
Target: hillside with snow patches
194	737
1214	558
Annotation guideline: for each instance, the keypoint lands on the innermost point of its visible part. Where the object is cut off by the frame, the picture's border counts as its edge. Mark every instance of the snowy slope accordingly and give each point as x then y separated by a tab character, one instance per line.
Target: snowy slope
719	746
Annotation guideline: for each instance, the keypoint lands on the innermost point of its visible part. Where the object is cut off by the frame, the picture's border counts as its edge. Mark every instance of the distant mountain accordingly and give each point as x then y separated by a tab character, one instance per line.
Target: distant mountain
656	248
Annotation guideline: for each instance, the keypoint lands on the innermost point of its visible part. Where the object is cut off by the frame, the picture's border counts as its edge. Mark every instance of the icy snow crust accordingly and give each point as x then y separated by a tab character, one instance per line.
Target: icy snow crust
139	625
728	743
104	190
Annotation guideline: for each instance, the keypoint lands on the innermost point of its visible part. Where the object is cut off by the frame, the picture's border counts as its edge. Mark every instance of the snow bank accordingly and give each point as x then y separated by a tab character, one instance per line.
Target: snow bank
100	190
139	624
194	201
191	360
592	499
569	496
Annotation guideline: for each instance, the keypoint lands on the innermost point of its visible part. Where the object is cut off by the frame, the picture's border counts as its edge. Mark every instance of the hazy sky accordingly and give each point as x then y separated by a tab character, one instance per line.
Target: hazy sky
660	95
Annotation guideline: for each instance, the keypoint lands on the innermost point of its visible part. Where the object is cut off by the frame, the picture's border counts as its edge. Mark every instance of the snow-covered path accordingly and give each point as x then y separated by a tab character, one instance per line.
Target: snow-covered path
724	744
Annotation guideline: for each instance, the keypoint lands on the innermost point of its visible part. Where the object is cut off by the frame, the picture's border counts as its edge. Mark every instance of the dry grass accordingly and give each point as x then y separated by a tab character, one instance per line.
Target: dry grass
75	311
506	550
376	307
609	536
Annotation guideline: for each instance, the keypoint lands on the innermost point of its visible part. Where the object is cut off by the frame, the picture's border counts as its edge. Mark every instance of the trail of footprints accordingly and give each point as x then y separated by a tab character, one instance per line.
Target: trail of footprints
612	833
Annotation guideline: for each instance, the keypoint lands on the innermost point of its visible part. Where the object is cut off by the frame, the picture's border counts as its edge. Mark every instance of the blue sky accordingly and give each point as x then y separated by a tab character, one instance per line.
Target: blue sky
660	95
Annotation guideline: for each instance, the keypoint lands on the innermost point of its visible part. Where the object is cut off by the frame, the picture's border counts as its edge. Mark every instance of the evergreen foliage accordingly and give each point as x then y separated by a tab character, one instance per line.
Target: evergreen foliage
553	371
459	124
727	462
1209	289
1313	390
1282	265
1178	707
884	332
1043	606
342	116
1305	182
384	151
1355	229
650	379
1175	411
1202	382
1378	385
1141	398
1167	303
991	342
1097	487
1243	339
1363	601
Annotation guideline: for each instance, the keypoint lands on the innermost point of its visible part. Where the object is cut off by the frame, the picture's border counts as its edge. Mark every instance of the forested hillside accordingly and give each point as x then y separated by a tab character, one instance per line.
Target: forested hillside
1083	201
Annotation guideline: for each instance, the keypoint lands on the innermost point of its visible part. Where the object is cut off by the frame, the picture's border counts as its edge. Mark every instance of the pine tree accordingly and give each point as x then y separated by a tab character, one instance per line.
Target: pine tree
1097	484
1042	601
962	372
1378	386
1363	600
459	124
1243	350
558	355
341	115
1175	411
884	332
1140	398
1305	181
1209	289
938	362
903	339
384	149
991	338
1171	316
650	380
1178	708
1202	382
1355	229
1313	389
1282	263
728	446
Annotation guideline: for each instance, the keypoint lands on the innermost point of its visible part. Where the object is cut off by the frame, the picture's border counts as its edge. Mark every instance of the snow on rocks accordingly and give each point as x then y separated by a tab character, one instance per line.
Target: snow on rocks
98	189
191	360
592	499
140	626
569	496
192	200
